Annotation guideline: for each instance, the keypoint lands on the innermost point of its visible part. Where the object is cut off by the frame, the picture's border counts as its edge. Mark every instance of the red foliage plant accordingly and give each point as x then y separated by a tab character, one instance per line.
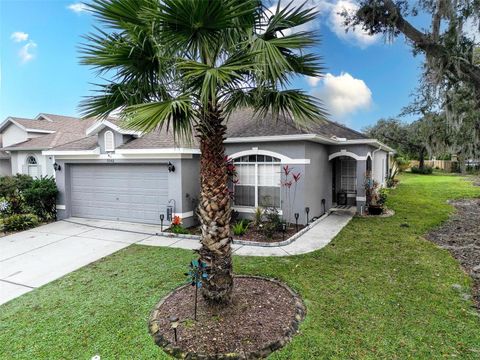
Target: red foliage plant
177	220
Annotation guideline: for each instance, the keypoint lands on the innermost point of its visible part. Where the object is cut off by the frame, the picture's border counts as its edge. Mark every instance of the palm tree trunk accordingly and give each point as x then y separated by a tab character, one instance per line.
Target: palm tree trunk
215	211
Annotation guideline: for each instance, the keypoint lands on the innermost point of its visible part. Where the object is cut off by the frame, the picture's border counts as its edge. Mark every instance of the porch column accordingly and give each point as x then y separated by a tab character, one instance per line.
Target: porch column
361	172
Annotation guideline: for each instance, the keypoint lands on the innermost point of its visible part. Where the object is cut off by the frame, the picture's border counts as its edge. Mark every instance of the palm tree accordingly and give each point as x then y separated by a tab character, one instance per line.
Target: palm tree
186	65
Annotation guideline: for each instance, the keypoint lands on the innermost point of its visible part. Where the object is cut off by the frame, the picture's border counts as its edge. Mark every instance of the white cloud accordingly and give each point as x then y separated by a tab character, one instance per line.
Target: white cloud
26	52
19	36
78	7
313	80
337	24
344	95
329	12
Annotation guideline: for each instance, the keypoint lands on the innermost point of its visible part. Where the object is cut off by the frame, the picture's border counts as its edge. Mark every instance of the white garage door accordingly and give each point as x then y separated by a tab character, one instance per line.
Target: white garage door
137	193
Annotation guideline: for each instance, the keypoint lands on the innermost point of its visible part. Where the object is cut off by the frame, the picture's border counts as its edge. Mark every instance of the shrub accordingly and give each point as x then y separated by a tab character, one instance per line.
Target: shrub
382	196
402	163
9	185
19	222
258	216
240	228
427	170
179	229
273	222
41	197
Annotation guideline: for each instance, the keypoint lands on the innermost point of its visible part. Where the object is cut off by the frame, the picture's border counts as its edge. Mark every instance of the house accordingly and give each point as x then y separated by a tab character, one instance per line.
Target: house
117	174
23	141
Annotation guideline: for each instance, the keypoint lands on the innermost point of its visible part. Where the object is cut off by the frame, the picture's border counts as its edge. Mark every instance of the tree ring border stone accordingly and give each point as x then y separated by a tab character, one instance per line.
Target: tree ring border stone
177	352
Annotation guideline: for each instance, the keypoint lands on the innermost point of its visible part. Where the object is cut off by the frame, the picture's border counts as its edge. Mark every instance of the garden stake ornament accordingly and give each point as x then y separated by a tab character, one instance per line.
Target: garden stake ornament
197	272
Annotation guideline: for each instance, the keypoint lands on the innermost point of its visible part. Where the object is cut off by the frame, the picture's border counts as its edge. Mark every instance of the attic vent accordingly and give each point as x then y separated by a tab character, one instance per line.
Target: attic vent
109	141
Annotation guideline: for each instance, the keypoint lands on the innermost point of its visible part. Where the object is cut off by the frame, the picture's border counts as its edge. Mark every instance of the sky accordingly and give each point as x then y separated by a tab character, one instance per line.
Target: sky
365	78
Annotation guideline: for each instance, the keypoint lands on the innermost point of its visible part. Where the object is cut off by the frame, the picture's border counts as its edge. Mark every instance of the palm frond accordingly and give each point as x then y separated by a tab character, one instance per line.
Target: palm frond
176	115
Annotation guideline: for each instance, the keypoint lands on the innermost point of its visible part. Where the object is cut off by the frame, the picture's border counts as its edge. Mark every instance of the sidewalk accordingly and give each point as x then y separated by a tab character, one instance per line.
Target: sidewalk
315	238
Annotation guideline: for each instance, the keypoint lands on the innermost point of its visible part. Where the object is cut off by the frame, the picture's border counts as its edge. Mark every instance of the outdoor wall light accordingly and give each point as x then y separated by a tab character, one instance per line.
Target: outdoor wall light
57	167
307	210
174	322
171	167
297	215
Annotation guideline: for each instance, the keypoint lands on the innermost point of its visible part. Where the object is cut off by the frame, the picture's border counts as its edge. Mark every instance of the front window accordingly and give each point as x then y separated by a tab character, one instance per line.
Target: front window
258	181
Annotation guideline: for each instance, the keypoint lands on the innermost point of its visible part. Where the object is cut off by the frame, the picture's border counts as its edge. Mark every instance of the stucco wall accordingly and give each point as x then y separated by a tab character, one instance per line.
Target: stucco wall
13	135
18	162
380	166
5	167
318	179
119	139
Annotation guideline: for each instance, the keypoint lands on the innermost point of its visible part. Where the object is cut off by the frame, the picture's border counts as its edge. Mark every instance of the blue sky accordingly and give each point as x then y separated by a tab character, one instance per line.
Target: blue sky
40	72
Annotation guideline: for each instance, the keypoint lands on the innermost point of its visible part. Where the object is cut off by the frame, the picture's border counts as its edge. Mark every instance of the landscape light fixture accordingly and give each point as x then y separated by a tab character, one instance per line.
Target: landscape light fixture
171	167
297	215
307	210
174	322
162	216
57	167
323	205
284	228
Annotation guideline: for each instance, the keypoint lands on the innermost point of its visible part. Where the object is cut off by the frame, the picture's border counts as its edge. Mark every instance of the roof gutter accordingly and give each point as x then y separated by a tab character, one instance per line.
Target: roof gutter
309	137
95	151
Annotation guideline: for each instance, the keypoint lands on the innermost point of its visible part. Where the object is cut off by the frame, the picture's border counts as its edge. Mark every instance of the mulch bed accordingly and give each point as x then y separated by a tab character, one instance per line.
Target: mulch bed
461	236
263	316
254	234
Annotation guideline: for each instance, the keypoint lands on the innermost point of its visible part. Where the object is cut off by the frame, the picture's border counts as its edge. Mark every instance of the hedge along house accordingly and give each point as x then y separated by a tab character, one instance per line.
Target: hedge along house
116	174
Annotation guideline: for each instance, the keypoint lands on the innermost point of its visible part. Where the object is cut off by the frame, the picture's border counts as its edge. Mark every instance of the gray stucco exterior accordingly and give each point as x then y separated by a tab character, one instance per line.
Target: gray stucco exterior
318	162
315	162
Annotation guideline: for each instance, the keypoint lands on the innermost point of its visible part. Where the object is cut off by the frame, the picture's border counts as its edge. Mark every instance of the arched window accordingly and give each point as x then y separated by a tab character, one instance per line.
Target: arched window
259	179
31	160
32	166
109	141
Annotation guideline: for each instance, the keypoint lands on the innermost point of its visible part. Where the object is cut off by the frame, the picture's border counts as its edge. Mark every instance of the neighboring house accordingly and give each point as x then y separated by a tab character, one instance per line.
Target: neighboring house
23	141
112	173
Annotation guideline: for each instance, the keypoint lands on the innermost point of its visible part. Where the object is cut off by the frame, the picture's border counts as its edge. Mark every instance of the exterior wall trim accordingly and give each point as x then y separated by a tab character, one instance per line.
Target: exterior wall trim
184	215
98	126
344	152
157	151
71	152
283	159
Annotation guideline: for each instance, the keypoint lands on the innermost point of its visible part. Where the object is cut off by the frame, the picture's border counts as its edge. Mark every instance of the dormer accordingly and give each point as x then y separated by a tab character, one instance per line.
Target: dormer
110	135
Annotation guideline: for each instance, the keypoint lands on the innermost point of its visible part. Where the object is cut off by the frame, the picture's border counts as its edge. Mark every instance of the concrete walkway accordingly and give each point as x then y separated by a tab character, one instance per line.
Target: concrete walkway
30	259
315	238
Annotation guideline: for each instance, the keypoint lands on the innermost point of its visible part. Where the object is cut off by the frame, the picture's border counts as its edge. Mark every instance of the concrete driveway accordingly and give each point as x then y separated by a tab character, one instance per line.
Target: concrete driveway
35	257
32	258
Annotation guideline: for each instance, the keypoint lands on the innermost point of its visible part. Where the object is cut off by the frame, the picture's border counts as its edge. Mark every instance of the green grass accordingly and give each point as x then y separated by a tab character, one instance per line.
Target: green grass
379	290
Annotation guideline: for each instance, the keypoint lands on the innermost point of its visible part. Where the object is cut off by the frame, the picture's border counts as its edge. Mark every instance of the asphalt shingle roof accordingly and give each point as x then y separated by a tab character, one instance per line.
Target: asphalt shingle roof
243	123
71	132
67	129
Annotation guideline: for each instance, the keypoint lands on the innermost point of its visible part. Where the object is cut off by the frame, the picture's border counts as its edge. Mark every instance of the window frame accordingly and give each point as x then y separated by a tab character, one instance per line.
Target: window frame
109	133
246	161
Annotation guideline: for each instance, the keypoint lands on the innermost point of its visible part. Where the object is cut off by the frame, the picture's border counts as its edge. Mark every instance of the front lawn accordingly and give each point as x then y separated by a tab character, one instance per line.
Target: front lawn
379	290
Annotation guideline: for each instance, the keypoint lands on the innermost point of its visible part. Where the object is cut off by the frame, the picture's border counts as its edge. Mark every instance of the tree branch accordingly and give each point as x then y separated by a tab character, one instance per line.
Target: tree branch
462	69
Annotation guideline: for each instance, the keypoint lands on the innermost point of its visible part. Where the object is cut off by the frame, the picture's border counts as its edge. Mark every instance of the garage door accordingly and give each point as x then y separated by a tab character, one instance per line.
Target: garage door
137	193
